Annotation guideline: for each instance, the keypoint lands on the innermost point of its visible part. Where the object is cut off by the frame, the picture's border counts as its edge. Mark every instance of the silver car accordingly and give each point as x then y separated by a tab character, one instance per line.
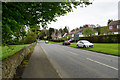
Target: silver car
84	44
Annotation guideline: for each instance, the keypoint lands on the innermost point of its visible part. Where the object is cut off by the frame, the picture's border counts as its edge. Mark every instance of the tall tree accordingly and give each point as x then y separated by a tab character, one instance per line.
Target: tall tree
51	30
56	32
77	29
72	30
65	30
61	31
103	30
42	34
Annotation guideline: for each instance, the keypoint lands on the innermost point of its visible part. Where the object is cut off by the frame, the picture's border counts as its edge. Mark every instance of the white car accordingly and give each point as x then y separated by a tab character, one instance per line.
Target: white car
84	44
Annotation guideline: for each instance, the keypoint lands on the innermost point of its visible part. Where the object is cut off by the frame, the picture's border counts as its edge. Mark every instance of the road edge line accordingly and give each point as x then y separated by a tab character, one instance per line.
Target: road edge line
51	62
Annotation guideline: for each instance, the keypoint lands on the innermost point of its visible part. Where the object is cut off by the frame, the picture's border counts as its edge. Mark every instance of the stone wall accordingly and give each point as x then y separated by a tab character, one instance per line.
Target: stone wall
10	64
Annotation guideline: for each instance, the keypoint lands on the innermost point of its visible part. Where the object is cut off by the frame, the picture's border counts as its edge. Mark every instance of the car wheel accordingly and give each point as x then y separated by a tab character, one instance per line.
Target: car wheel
84	46
77	46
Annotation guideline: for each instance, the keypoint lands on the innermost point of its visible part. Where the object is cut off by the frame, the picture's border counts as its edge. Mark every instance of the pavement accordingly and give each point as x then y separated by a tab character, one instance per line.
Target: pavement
52	60
39	66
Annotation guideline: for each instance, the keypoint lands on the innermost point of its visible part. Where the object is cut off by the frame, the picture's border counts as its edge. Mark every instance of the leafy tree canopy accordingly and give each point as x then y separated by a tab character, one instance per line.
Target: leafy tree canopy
51	30
65	30
88	32
17	14
110	20
73	30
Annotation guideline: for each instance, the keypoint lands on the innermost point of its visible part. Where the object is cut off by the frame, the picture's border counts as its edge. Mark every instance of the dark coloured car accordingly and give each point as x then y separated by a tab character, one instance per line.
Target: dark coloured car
66	43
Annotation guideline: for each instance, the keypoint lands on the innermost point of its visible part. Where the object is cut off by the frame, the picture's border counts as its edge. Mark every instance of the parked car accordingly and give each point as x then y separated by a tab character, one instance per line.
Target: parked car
66	43
84	44
46	42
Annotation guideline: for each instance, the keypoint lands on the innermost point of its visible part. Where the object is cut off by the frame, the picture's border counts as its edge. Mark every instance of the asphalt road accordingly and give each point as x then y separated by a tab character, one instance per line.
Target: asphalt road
77	63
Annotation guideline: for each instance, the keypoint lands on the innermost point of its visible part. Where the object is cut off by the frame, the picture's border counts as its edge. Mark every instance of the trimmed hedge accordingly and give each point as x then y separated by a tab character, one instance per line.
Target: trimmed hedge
103	38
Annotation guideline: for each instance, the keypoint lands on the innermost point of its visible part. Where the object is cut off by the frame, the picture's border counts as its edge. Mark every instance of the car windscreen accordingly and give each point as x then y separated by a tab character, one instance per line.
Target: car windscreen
85	42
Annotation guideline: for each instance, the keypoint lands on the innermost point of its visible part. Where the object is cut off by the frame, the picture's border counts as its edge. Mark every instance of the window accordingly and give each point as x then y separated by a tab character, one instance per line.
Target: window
110	27
118	26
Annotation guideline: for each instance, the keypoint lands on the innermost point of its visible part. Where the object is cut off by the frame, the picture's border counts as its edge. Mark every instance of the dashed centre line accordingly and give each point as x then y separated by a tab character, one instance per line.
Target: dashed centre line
73	53
102	64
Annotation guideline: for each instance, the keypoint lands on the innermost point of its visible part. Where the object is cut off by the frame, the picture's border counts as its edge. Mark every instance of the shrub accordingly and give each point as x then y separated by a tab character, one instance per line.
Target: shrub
30	38
62	39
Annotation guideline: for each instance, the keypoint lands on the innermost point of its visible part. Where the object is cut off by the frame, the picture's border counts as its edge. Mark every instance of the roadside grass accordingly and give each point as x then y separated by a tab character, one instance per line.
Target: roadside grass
55	42
12	49
0	52
108	48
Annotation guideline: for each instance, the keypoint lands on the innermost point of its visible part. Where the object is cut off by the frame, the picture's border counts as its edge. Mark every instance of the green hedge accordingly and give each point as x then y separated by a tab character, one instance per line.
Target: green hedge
103	38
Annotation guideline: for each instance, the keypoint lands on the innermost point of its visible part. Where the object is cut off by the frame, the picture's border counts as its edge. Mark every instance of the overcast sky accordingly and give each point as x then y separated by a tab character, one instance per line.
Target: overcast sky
97	13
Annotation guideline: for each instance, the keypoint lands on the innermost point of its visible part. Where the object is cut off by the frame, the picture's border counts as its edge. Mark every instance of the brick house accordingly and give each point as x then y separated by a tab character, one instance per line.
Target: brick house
114	27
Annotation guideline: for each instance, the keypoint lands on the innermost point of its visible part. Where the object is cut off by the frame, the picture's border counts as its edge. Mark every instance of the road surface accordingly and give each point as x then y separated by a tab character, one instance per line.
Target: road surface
39	66
77	63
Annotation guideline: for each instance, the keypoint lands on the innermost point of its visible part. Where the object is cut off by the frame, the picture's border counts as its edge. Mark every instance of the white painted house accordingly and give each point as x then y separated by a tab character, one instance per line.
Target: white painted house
80	32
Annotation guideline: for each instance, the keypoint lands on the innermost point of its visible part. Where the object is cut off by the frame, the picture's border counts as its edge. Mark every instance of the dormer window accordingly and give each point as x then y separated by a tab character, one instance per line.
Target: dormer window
110	27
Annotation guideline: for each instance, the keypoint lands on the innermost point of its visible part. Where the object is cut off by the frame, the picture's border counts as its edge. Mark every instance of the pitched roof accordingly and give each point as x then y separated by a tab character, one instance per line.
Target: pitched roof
74	32
114	23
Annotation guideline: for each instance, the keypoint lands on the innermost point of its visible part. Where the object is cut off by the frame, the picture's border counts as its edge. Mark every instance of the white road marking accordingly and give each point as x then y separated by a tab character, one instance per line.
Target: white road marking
51	62
73	53
102	64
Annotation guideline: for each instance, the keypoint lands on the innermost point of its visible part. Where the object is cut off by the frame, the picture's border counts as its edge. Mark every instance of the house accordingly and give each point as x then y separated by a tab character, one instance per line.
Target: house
80	32
56	36
114	27
89	25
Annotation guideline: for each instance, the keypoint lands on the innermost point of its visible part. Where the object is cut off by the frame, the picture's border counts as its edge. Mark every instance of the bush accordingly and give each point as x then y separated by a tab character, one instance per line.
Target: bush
62	39
30	38
103	38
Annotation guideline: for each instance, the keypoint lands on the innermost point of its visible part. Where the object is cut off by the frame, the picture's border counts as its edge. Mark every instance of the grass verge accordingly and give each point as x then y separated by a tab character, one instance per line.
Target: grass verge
10	50
107	48
55	42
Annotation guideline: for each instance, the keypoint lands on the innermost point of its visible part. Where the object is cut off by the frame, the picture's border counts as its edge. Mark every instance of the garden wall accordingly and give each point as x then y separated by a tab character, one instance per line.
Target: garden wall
10	64
103	38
